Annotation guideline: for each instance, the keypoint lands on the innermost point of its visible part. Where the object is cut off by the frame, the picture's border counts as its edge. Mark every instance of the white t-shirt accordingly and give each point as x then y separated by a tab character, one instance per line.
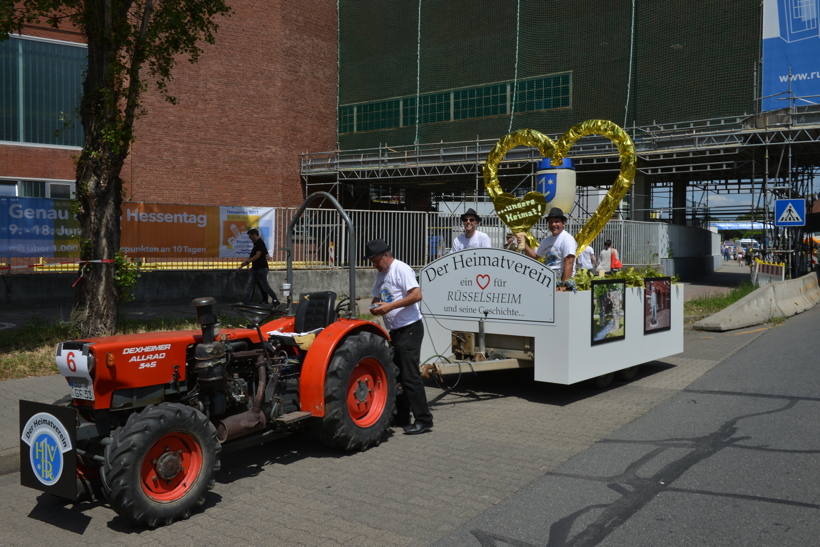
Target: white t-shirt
479	239
556	249
585	259
393	285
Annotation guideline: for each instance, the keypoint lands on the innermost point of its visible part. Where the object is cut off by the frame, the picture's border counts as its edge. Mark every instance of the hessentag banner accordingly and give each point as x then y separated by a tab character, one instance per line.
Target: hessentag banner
39	227
791	53
166	230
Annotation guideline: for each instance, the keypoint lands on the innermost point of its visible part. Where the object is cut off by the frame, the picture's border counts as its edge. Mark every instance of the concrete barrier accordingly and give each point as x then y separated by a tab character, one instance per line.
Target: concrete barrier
778	299
178	287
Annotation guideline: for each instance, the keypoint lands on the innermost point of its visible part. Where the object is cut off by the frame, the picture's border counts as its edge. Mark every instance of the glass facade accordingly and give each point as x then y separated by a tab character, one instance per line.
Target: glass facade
40	86
529	95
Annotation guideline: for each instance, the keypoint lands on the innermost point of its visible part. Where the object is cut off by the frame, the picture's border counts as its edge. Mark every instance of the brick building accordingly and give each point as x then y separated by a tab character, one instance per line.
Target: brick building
264	93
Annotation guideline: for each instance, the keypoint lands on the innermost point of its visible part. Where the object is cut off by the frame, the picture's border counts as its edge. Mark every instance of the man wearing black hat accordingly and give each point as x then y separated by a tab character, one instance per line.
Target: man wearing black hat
558	249
471	237
396	295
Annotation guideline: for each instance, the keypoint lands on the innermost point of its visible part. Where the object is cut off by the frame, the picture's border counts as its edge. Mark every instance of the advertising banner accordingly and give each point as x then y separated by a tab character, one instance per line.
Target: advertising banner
491	284
791	53
234	224
39	227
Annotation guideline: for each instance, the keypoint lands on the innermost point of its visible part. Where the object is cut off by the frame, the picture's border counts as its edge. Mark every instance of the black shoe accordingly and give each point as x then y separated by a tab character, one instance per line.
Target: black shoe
416	429
400	422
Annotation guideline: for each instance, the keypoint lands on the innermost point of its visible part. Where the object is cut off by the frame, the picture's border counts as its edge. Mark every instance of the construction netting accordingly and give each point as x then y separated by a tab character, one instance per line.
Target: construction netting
428	71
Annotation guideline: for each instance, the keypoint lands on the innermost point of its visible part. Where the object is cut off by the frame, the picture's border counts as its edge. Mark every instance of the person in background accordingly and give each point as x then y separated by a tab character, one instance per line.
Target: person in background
471	237
586	260
396	295
609	251
258	262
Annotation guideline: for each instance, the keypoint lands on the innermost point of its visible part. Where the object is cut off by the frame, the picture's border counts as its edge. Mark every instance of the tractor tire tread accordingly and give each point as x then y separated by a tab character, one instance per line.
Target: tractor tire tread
123	461
337	428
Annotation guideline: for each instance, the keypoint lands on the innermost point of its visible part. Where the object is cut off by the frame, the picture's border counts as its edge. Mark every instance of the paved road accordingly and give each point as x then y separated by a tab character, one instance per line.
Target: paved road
497	438
731	460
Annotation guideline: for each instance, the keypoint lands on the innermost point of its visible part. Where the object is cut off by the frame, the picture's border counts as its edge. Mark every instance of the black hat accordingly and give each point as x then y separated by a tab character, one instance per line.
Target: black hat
557	212
375	247
473	213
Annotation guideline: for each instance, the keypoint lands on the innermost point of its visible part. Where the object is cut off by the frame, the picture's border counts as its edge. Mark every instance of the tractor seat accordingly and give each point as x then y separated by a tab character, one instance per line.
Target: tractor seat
316	311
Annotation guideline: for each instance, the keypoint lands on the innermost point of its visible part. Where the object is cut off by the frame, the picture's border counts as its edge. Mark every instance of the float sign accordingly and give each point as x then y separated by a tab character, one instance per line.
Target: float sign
495	284
48	458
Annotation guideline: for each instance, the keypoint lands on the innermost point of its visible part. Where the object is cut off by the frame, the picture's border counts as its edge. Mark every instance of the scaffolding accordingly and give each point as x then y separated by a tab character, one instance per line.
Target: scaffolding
767	156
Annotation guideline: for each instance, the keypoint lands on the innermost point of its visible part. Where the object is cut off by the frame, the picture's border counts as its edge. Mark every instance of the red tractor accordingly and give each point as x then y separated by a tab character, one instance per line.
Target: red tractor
149	414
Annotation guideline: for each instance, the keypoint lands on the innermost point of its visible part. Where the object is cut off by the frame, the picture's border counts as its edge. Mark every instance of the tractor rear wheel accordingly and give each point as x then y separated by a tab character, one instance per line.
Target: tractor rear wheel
160	464
360	393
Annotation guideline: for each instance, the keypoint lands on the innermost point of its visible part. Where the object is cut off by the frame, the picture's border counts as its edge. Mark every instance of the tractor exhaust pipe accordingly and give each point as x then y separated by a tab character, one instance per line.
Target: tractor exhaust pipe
249	421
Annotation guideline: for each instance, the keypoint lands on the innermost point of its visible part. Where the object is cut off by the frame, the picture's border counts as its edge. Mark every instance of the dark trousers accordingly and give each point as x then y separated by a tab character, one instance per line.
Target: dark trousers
406	343
258	277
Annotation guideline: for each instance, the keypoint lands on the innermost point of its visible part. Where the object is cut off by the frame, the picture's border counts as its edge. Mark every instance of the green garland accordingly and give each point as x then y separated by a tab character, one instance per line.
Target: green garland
633	277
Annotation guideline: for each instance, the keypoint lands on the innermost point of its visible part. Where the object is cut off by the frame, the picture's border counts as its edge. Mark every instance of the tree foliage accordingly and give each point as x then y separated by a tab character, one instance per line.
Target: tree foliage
129	42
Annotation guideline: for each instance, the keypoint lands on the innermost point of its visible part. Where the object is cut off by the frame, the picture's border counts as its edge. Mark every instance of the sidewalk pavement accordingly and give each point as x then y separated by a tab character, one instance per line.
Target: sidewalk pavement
48	389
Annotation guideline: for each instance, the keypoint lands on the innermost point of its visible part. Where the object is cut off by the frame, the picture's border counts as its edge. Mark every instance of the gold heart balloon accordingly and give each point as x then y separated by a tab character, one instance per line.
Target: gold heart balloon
521	215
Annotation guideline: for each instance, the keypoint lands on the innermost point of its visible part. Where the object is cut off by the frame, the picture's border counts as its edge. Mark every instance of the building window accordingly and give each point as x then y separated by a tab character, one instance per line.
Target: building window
40	85
37	189
530	95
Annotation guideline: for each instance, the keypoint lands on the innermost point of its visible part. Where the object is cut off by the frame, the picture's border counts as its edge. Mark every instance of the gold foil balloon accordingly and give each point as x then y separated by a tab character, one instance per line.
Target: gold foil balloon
522	215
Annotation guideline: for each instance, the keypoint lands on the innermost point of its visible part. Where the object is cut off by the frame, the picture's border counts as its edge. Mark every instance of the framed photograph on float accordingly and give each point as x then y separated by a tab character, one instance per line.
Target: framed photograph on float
608	310
657	301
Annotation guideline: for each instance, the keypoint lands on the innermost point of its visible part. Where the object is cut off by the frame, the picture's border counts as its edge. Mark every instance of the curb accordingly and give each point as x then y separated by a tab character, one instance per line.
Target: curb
779	299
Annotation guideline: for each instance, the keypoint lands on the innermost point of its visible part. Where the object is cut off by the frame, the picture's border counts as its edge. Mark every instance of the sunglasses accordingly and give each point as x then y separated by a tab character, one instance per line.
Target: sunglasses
469	220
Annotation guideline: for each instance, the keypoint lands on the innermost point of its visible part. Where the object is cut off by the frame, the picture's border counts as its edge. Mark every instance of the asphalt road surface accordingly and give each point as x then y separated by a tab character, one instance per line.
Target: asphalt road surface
699	449
734	459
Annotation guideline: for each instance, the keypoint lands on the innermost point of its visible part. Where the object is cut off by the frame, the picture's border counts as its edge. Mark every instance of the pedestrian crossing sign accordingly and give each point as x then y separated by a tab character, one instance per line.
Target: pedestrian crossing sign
790	212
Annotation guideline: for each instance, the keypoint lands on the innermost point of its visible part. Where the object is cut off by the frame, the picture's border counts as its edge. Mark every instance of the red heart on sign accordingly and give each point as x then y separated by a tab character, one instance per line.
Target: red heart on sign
485	279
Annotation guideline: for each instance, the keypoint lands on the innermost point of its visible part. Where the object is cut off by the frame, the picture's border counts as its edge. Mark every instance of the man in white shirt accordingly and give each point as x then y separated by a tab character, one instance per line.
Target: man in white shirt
396	295
471	237
586	260
558	249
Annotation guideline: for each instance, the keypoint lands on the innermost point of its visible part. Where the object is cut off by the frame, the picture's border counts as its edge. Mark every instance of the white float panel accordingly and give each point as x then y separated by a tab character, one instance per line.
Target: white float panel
563	350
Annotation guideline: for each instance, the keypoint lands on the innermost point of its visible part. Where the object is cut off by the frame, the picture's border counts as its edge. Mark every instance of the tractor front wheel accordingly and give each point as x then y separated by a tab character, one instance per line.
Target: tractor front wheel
160	464
360	393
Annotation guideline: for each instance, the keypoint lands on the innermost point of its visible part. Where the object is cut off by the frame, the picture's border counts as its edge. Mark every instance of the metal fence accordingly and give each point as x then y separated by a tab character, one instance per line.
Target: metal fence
321	241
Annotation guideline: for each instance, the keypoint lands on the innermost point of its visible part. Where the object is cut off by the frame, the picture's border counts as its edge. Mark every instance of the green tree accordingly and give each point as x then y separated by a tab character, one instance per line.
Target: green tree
125	38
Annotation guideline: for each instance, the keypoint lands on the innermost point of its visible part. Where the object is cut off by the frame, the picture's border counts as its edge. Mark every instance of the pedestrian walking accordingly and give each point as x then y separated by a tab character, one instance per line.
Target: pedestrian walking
258	275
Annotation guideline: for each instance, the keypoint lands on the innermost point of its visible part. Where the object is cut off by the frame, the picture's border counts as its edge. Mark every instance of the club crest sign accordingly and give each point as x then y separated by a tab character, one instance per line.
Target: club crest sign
492	284
48	448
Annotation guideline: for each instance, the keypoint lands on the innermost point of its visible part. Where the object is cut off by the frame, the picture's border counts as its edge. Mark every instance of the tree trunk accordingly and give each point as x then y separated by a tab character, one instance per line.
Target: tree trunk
99	188
96	300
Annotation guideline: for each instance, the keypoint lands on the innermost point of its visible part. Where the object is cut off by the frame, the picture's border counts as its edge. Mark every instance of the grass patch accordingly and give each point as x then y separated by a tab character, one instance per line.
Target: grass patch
709	304
29	350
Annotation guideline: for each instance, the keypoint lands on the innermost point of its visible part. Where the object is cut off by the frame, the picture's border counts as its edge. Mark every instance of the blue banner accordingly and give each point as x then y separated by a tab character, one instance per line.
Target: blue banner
791	53
38	227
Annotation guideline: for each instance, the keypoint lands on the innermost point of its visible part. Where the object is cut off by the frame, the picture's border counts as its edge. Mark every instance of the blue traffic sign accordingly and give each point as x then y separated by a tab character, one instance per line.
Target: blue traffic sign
790	212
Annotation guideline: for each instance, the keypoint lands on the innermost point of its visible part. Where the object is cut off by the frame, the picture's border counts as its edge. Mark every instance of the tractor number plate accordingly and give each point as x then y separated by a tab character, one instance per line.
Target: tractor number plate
81	389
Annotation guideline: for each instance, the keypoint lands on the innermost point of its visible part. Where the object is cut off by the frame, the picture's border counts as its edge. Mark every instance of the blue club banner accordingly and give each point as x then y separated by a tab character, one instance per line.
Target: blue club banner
38	227
791	53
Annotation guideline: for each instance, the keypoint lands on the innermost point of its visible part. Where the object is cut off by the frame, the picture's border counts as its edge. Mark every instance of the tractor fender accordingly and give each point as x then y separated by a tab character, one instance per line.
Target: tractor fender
314	368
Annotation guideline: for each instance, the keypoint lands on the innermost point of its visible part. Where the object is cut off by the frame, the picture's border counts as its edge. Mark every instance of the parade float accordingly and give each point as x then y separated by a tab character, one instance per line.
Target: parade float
493	309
